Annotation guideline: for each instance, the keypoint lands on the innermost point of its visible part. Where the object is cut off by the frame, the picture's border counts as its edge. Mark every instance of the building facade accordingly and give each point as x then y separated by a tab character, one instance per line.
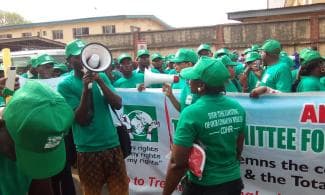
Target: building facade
295	27
67	30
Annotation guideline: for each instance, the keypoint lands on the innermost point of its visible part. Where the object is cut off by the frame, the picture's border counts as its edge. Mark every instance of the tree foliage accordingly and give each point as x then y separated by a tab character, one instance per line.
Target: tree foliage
11	18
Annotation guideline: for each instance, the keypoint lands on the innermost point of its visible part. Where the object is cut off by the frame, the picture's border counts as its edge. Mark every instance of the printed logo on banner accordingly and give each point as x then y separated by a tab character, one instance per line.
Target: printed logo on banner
143	122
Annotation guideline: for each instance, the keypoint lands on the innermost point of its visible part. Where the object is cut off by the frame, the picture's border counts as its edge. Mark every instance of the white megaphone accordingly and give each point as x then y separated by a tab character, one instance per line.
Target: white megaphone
95	57
157	78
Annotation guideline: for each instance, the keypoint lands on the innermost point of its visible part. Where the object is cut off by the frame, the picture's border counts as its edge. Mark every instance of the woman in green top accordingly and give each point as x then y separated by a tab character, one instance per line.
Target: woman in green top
217	123
309	73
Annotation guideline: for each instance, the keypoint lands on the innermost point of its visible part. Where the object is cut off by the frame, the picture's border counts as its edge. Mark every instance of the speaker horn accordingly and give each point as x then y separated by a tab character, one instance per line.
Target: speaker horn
96	57
157	78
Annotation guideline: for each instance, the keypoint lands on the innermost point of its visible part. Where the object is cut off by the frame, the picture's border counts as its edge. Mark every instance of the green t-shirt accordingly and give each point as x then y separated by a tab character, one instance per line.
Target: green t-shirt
322	83
101	133
239	69
172	71
67	73
294	74
180	85
231	87
12	180
277	76
252	81
2	102
215	121
29	75
186	97
131	82
25	75
309	83
116	75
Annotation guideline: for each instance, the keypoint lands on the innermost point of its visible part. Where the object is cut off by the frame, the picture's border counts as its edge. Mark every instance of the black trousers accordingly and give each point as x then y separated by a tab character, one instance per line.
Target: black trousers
229	188
62	183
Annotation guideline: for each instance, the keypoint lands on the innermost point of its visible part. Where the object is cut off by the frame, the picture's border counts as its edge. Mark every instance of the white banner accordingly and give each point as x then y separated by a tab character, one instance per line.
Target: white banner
284	145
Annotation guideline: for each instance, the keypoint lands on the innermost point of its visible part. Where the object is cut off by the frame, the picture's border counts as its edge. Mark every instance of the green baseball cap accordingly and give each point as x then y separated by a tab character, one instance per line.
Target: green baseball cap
255	47
142	52
169	57
74	48
271	46
185	55
252	56
155	56
32	61
37	118
227	61
233	56
61	67
220	52
309	55
123	56
211	71
203	46
43	59
246	51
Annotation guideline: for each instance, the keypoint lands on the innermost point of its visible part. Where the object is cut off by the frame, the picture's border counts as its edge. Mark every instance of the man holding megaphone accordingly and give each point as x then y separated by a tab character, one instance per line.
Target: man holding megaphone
99	156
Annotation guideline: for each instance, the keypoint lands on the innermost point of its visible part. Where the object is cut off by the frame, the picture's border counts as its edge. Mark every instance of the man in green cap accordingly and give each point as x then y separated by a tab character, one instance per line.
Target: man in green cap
143	60
59	70
31	147
204	50
31	73
170	65
277	75
250	76
310	72
99	156
201	122
130	79
157	63
184	58
44	66
221	52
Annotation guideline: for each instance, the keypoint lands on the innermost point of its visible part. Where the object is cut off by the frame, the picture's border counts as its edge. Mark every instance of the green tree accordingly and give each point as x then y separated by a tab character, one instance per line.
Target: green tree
11	18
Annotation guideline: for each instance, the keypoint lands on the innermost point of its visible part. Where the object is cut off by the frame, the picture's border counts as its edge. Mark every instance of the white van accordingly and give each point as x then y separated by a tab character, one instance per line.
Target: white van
21	58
